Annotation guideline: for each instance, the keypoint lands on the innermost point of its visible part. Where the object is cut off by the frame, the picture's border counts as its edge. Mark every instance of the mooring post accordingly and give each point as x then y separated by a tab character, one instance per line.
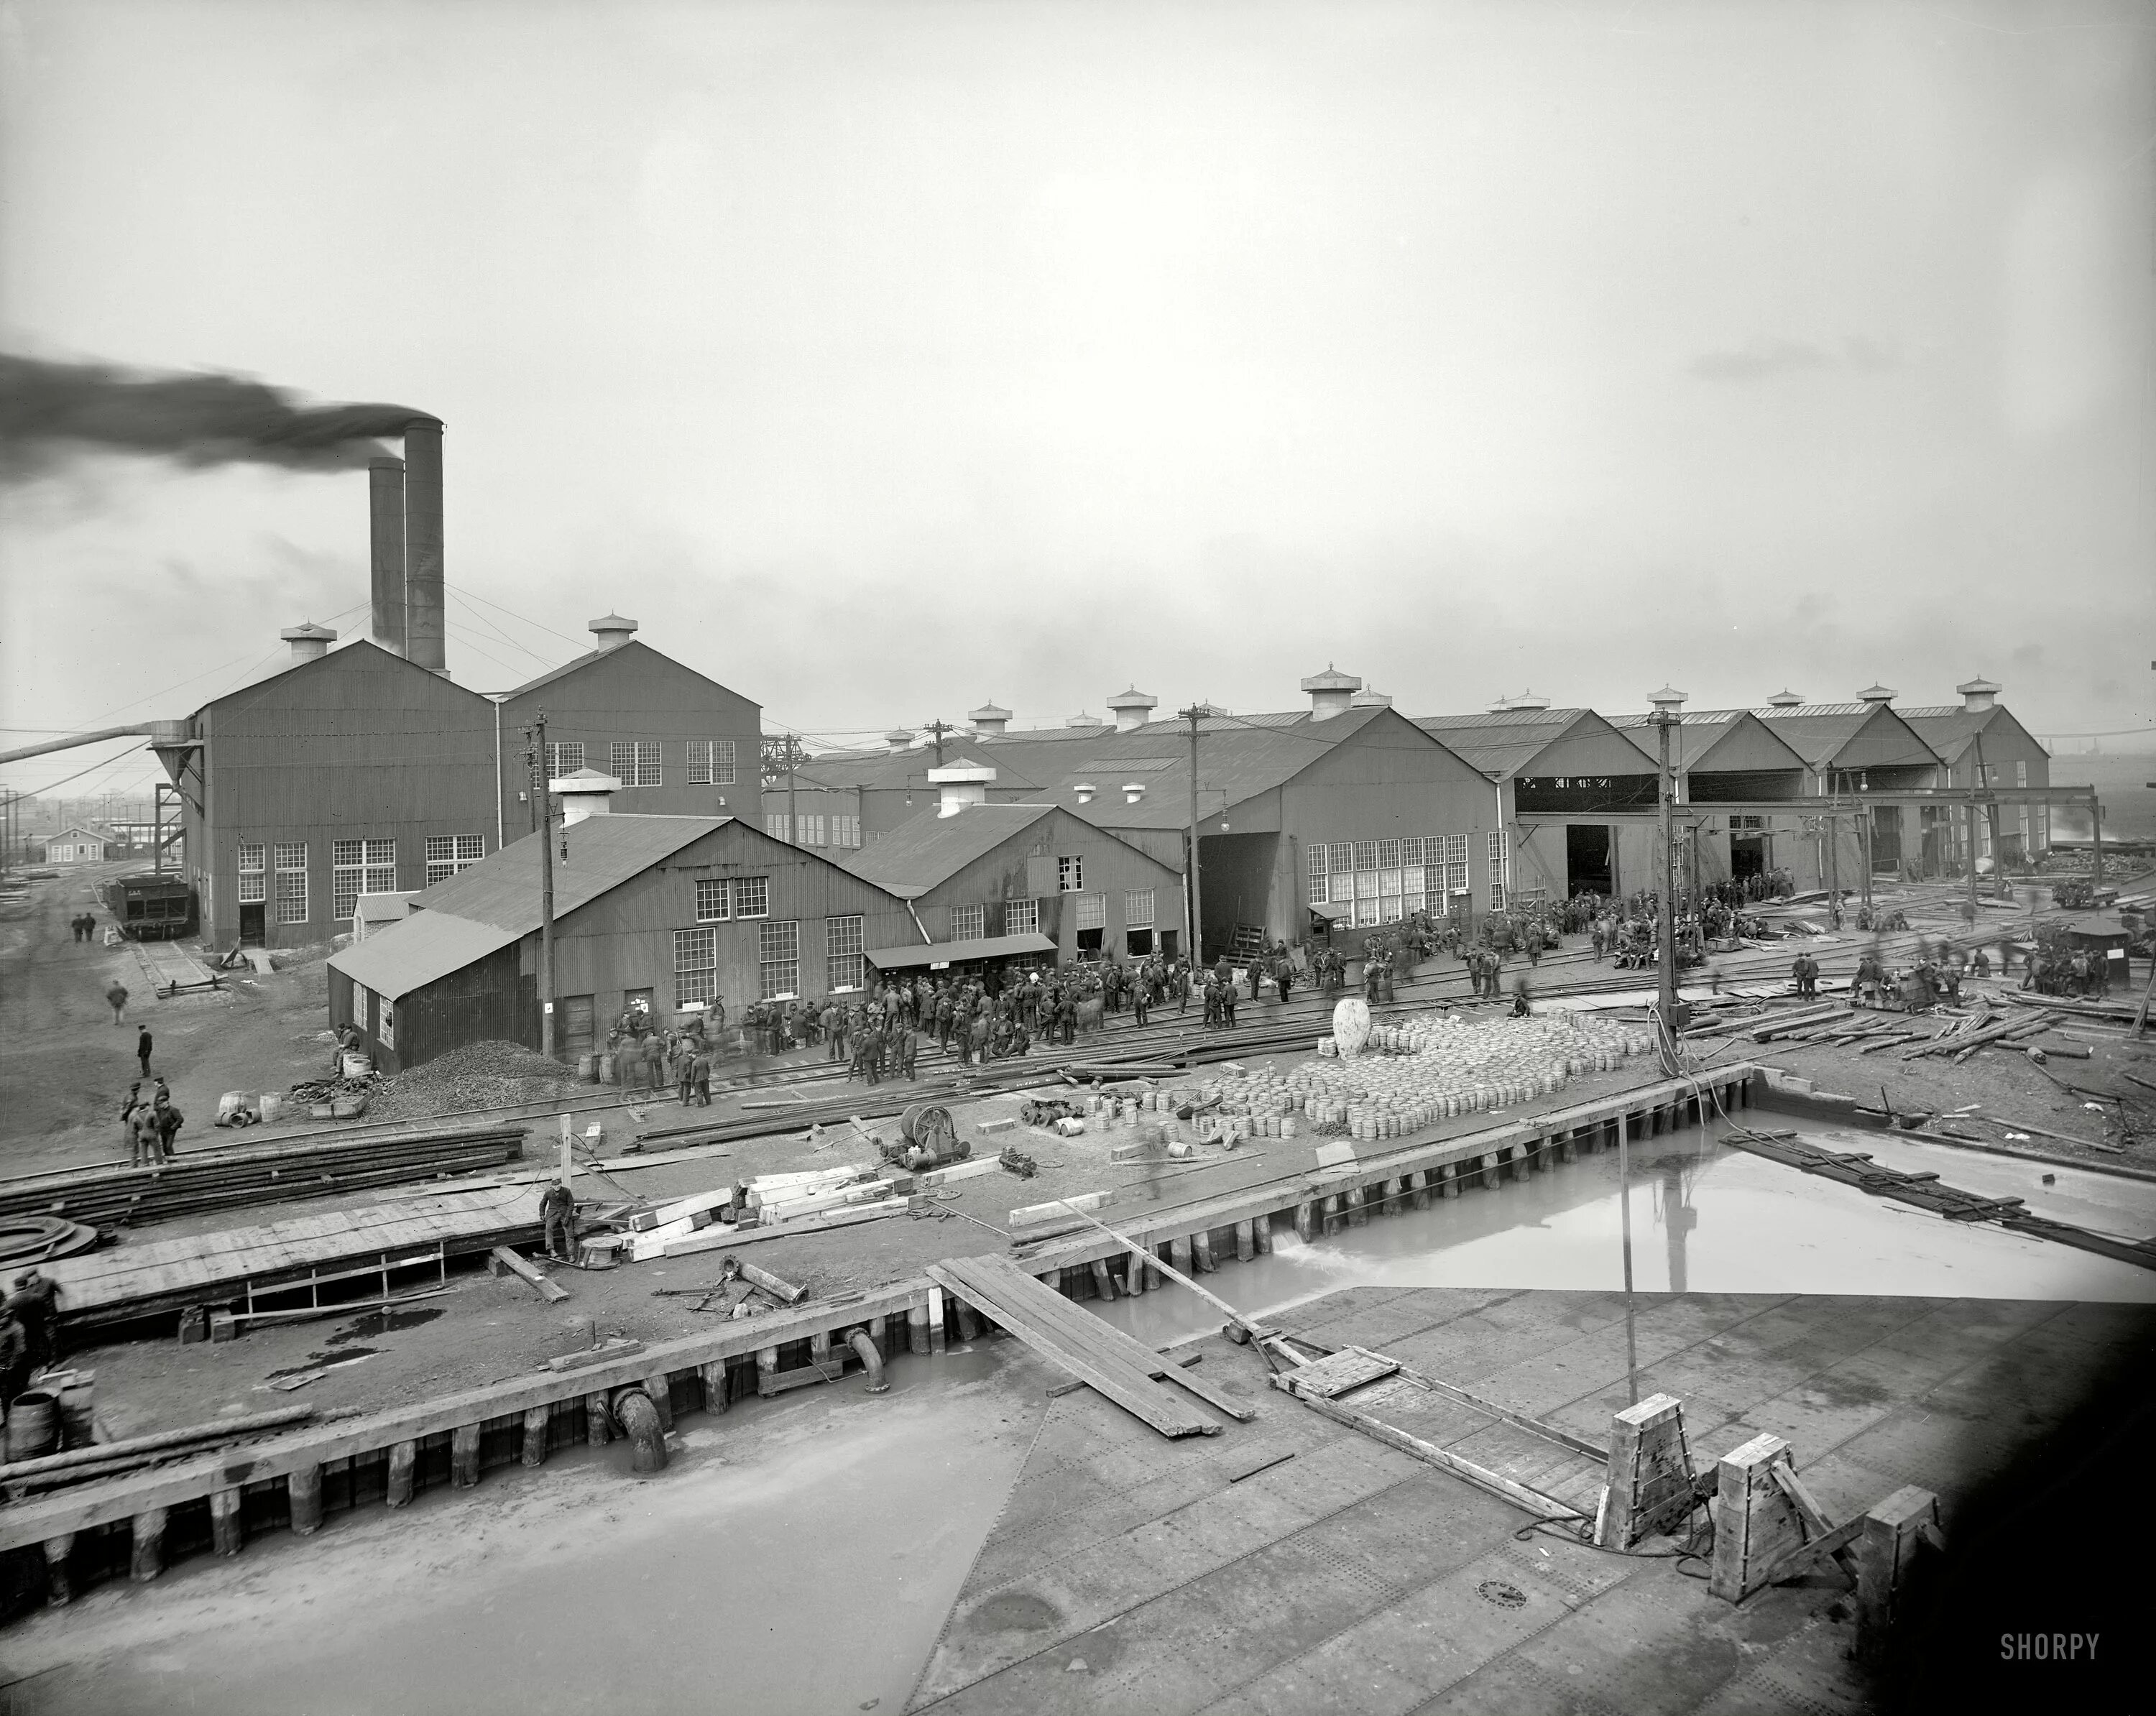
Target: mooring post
1178	1253
1650	1487
304	1490
1358	1208
1493	1170
1567	1151
147	1534
1201	1251
1246	1243
538	1432
226	1529
598	1428
464	1455
403	1462
1418	1185
714	1375
1104	1280
59	1593
916	1330
1328	1212
1305	1221
938	1340
766	1360
877	1333
1134	1274
1261	1235
819	1348
1890	1544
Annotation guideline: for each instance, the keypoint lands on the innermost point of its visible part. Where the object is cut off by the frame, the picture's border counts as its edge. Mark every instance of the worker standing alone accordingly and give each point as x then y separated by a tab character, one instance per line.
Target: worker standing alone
143	1044
558	1213
116	995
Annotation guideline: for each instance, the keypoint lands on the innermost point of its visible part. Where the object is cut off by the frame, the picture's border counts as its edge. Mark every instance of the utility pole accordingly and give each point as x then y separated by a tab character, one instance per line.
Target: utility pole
1667	702
1193	714
1863	832
543	798
792	790
936	729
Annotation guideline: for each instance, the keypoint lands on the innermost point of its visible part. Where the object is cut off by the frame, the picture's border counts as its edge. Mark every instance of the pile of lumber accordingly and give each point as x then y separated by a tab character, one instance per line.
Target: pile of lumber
211	1179
1965	1036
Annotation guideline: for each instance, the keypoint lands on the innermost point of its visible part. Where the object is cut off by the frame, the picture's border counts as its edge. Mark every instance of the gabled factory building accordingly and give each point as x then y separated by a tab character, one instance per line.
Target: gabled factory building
678	913
1341	815
999	885
1980	744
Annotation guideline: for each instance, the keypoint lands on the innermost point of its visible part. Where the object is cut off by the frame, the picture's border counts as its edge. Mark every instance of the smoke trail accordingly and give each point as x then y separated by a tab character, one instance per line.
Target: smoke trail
50	411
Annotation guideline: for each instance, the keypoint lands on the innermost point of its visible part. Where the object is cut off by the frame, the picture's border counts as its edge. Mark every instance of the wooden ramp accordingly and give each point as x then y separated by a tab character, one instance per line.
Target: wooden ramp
1534	1465
1104	1358
137	1279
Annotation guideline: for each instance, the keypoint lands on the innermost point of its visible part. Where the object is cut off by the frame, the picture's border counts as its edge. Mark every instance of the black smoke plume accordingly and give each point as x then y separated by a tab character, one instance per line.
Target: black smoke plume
50	411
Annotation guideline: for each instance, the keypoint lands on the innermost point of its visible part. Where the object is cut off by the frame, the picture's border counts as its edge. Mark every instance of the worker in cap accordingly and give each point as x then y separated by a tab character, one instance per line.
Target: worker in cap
557	1213
34	1302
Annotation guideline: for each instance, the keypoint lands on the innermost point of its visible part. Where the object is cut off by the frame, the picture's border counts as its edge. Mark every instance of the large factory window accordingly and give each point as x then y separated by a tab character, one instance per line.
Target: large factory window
779	956
711	763
712	905
753	896
253	864
812	830
1137	908
1070	876
1314	868
360	867
291	881
566	758
842	952
1498	870
1021	918
1092	921
635	763
696	967
779	825
968	923
845	830
448	853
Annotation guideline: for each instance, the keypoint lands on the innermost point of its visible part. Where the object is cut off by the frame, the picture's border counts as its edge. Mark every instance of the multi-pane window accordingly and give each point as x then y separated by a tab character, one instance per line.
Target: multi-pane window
812	830
385	1022
1411	852
1137	908
1021	918
291	859
2021	773
635	762
696	967
845	830
1071	876
1314	869
842	952
360	867
253	862
1366	855
448	853
1497	869
779	825
1389	855
968	923
752	896
778	958
1092	912
713	905
563	757
1455	864
711	763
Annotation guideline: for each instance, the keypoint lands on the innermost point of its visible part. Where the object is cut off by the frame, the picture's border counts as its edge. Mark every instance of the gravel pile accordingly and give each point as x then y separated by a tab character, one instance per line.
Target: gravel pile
492	1075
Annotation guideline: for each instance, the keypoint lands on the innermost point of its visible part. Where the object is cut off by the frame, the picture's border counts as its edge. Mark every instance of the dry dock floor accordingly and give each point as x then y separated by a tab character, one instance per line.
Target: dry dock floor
1129	1572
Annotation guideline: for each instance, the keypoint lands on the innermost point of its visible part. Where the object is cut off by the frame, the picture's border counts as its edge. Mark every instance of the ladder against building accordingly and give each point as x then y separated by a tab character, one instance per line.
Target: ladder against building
1248	943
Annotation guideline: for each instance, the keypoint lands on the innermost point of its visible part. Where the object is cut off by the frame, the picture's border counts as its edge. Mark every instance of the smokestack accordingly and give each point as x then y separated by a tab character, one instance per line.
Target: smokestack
310	642
1132	709
385	480
423	616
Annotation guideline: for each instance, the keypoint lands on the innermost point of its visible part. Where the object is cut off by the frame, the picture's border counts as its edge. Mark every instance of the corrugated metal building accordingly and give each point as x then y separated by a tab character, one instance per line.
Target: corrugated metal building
679	743
676	910
1980	744
346	773
1726	756
1040	883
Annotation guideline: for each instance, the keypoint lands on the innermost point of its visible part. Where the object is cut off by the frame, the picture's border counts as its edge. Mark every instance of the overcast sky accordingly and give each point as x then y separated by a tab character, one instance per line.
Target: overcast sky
883	358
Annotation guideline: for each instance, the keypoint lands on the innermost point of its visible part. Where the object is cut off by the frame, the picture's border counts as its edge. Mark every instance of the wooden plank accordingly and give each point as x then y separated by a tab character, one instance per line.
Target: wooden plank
1337	1373
552	1292
1019	1311
1548	1431
1533	1501
720	1237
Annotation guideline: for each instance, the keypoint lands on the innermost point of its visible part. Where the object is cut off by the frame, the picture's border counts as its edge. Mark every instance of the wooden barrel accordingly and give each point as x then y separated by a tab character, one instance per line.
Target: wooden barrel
588	1068
33	1426
273	1106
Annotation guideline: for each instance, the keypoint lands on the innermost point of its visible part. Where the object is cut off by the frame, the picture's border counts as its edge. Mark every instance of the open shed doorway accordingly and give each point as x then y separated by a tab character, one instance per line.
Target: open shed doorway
1587	862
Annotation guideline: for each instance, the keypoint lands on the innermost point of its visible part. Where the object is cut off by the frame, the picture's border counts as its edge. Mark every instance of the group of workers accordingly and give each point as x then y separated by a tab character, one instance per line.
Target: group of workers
148	1124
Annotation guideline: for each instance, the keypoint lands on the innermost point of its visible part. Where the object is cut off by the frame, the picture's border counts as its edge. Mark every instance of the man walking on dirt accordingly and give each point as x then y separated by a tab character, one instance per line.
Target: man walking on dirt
117	996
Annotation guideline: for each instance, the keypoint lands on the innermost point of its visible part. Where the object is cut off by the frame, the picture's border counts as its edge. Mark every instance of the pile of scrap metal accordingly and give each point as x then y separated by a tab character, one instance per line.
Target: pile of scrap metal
742	1290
